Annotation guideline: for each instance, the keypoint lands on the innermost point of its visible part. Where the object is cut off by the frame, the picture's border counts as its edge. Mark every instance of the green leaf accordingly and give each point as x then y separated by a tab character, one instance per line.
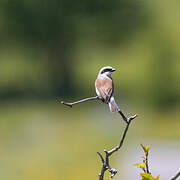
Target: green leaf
144	148
146	176
147	148
157	178
140	165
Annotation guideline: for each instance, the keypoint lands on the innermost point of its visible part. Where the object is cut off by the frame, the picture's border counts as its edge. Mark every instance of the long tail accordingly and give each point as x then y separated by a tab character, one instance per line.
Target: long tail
112	105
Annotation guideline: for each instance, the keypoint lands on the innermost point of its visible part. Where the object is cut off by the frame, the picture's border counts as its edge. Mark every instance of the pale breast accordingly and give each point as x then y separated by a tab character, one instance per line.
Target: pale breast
104	88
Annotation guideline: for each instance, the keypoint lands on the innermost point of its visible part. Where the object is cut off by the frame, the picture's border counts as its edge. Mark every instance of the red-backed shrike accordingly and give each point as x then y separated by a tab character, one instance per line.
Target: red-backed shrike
105	87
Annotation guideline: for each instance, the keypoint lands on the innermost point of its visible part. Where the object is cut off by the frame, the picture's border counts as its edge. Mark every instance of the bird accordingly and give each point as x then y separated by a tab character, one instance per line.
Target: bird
105	87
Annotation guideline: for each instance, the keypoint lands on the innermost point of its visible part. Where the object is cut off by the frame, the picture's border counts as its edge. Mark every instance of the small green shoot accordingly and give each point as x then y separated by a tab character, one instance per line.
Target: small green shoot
146	175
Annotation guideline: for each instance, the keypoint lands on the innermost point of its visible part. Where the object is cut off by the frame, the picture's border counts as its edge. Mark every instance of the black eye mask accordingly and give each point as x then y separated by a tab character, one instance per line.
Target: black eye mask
106	70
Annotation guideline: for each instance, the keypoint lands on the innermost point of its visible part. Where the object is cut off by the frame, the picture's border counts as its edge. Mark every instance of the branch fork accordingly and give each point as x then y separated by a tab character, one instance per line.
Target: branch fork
105	161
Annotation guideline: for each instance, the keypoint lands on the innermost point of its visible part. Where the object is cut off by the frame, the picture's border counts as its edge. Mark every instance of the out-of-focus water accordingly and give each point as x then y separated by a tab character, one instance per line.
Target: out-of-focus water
164	159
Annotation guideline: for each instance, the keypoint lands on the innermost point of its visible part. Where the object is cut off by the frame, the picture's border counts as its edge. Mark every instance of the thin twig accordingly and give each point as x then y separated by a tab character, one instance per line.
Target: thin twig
123	116
176	176
80	101
105	161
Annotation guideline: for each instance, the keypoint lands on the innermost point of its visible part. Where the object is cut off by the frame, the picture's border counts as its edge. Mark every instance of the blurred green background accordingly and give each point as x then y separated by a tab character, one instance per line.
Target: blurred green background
53	50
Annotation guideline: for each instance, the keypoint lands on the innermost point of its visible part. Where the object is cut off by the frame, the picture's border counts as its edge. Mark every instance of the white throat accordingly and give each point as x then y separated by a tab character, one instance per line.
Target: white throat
105	75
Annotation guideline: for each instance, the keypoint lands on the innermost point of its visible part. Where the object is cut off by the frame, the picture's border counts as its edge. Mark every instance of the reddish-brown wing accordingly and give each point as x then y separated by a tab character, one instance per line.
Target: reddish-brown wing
105	88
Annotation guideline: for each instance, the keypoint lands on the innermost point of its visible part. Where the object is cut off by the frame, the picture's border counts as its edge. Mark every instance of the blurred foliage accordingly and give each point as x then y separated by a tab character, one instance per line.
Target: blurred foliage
55	49
55	27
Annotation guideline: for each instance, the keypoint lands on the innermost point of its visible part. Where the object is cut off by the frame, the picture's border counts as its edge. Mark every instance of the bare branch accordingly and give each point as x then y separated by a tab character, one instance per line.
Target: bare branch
176	176
102	159
105	162
80	101
101	174
125	118
123	137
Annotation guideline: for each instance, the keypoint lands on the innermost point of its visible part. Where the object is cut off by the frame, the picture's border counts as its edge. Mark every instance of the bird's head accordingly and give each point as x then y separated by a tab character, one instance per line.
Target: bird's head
107	70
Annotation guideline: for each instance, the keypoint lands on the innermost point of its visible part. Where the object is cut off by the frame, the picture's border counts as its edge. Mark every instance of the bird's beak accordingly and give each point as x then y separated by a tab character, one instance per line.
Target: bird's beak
113	70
